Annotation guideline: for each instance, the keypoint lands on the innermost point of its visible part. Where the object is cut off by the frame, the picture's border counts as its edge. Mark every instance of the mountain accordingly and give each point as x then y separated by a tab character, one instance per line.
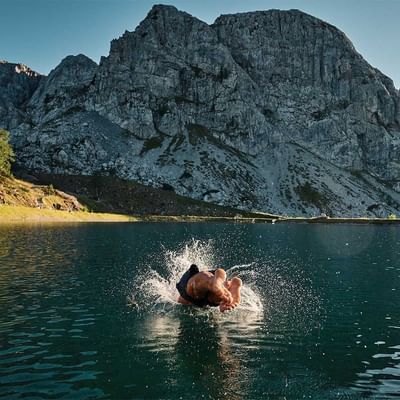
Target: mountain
17	83
273	111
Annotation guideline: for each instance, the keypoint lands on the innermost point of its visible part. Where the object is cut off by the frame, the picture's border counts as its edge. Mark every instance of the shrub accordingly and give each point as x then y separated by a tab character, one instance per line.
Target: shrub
6	153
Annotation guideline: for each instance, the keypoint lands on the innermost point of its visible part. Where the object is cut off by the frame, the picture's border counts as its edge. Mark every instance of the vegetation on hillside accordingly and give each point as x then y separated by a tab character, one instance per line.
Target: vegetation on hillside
6	153
15	192
18	193
111	194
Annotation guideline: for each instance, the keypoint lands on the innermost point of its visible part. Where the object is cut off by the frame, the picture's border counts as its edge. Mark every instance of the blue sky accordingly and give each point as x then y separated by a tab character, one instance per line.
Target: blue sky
40	33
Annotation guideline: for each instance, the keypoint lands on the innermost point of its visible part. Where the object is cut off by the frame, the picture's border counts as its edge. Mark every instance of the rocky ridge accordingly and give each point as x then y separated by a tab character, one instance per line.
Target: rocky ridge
18	83
272	111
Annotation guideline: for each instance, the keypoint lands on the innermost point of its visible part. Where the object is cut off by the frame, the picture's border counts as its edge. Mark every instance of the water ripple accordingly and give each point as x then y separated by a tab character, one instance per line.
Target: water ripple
325	327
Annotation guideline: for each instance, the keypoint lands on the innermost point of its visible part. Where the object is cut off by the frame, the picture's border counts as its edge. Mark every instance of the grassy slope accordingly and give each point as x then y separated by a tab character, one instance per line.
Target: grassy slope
116	200
99	198
110	194
16	192
24	201
28	214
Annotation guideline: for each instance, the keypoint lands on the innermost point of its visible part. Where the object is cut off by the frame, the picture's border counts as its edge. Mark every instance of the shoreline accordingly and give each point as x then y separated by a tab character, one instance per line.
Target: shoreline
20	214
269	220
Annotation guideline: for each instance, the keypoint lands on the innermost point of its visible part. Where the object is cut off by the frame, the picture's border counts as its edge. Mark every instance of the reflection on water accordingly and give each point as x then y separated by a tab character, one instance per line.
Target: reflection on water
203	347
319	318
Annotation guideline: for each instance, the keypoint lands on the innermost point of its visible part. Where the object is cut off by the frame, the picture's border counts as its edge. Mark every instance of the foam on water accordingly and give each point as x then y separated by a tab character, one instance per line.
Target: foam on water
158	289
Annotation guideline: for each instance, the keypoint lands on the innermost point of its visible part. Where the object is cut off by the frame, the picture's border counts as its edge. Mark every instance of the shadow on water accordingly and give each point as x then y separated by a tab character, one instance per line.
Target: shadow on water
200	355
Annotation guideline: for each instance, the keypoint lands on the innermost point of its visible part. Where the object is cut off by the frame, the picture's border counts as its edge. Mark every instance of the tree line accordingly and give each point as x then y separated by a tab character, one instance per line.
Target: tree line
6	153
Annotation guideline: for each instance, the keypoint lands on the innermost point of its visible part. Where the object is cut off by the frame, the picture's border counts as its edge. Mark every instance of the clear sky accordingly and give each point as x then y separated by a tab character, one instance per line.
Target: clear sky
40	33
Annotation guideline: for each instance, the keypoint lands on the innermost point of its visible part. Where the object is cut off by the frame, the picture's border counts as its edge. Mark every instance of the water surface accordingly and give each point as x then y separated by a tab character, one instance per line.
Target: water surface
87	311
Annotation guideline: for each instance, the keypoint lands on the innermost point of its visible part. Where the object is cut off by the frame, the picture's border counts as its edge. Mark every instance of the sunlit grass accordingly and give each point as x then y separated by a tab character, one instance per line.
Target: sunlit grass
29	214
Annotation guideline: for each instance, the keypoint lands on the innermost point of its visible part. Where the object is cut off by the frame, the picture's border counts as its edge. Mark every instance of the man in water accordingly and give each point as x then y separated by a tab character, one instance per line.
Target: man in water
209	288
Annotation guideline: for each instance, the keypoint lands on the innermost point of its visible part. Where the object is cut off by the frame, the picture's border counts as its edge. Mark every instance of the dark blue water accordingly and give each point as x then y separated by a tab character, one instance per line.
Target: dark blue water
75	325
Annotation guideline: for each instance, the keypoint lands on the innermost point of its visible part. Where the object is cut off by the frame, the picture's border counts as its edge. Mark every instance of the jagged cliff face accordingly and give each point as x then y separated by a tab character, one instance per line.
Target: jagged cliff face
17	84
272	111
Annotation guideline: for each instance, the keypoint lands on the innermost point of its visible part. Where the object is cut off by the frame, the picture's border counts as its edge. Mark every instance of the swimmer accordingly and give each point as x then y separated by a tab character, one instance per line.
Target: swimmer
209	288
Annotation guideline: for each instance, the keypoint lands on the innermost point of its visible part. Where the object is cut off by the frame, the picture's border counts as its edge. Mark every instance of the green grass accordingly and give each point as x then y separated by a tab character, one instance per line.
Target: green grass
309	195
28	214
151	144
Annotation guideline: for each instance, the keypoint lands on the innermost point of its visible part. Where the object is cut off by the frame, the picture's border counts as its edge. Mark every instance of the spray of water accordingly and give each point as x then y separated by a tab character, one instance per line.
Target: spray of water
158	290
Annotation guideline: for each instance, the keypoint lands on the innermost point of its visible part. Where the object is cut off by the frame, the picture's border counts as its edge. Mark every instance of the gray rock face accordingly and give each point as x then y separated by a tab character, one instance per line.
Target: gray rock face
17	84
272	111
63	91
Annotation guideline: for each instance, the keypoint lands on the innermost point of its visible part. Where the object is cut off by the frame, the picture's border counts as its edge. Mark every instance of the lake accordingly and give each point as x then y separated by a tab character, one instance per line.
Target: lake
87	311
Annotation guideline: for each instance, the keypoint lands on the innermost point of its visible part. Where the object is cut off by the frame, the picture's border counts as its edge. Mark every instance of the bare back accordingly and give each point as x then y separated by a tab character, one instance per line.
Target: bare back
210	286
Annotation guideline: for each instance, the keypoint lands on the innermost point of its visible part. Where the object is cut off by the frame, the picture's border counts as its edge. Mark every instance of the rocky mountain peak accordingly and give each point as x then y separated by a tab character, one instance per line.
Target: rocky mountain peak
165	10
297	37
19	68
64	88
17	85
272	14
272	111
164	15
73	70
164	27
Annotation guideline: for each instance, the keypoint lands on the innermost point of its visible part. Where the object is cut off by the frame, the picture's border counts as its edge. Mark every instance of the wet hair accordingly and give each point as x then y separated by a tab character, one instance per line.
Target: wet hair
194	269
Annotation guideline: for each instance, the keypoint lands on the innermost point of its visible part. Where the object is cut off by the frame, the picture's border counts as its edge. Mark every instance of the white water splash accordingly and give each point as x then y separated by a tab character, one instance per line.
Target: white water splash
158	290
